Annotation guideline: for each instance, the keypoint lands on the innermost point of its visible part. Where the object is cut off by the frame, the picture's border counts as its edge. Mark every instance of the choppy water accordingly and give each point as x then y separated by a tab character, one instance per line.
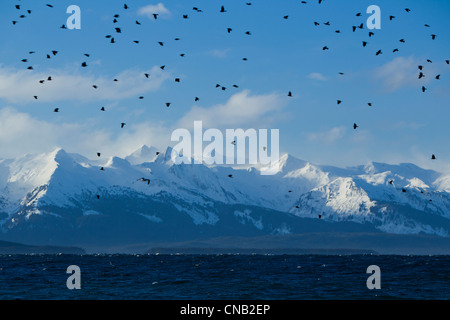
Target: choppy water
217	277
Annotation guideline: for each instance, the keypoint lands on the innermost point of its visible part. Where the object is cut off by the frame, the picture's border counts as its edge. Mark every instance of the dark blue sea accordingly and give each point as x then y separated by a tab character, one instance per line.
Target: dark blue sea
224	277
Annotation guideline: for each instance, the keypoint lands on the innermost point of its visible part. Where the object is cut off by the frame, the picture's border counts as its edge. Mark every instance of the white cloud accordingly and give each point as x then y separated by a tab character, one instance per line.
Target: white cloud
20	86
222	54
403	72
21	134
328	137
151	9
241	109
317	76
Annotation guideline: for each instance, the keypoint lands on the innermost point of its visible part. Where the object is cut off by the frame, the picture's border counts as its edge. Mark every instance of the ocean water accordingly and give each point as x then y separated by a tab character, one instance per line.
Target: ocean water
224	277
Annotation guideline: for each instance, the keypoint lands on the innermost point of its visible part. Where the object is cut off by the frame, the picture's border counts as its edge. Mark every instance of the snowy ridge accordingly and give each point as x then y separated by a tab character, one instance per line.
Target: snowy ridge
403	199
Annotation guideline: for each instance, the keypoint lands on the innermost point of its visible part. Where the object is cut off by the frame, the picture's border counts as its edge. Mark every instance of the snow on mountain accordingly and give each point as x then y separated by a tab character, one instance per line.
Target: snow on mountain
69	191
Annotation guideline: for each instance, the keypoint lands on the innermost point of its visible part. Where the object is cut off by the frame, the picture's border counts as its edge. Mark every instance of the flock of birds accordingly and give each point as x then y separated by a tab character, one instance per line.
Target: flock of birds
222	9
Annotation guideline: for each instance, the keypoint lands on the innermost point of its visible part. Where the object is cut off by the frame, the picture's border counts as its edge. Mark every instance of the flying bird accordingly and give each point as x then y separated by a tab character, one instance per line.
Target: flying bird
433	157
355	126
84	64
122	125
56	110
222	9
144	180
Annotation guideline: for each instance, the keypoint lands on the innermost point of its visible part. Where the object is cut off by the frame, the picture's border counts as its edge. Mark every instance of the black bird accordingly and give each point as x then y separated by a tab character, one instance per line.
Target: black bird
222	9
35	97
48	56
420	67
423	89
327	23
185	16
229	30
358	14
421	75
433	36
355	126
17	6
116	16
118	30
248	33
56	110
135	41
244	59
177	80
144	180
108	36
369	104
395	50
286	17
49	79
290	94
316	23
49	5
339	102
379	52
168	104
102	169
161	43
30	68
112	40
87	55
98	197
54	52
98	154
371	34
235	86
115	80
24	60
155	16
427	25
125	6
102	109
407	10
197	99
391	18
391	182
94	86
320	216
141	98
428	60
84	64
402	40
115	21
447	61
14	22
325	48
438	77
41	81
364	43
182	55
162	67
146	75
338	31
433	157
138	23
63	26
230	176
403	190
122	125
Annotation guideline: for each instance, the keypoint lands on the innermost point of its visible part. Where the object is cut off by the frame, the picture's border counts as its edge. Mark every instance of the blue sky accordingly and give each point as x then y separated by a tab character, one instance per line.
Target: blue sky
403	125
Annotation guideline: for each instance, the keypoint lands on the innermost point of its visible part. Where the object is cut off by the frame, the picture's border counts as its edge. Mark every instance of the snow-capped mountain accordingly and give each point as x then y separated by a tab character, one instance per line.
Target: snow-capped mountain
70	200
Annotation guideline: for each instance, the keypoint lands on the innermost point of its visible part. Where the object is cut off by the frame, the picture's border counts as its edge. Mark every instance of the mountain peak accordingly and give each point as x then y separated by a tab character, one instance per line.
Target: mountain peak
142	155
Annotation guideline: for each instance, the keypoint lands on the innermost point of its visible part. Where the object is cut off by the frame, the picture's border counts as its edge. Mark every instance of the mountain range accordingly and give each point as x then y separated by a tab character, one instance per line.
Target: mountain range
65	199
